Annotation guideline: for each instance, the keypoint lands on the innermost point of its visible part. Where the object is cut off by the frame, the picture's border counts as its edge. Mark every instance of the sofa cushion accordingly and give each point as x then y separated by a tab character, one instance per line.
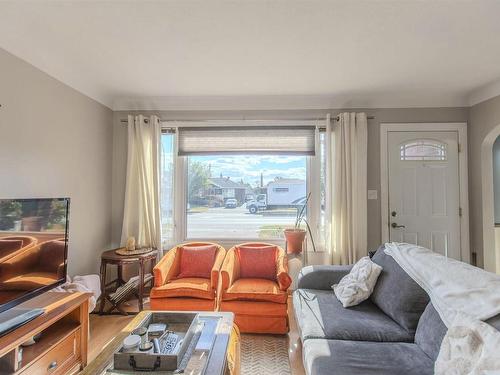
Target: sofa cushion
396	294
193	287
430	332
255	290
320	315
340	357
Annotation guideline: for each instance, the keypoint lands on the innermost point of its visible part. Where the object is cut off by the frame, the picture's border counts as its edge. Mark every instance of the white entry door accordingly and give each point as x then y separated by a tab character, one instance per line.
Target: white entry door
424	190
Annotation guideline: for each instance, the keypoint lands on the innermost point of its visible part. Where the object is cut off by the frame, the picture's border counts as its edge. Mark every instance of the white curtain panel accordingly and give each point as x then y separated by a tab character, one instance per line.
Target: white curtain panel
141	216
346	164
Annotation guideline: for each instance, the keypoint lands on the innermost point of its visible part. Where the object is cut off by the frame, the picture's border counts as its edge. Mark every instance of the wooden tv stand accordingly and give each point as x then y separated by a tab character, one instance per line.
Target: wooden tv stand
62	348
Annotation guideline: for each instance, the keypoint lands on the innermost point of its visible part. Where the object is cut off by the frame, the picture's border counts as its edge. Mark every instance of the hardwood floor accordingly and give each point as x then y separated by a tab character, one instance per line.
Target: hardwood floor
104	328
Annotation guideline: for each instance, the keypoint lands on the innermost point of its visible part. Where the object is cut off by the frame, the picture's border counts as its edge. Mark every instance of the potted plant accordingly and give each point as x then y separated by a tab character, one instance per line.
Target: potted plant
295	236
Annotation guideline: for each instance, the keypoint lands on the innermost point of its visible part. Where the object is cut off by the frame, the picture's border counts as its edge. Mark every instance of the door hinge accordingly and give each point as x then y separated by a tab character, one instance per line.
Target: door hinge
460	211
459	147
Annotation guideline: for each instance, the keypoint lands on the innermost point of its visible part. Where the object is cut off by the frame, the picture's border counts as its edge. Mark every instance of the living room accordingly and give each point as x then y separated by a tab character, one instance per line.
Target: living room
250	187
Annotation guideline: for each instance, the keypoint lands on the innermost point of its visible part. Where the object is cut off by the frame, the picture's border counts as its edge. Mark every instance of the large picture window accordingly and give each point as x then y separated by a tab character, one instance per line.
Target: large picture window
243	196
231	184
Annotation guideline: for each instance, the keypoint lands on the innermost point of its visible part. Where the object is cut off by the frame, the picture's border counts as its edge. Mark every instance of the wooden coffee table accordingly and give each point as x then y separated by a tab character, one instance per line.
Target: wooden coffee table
202	361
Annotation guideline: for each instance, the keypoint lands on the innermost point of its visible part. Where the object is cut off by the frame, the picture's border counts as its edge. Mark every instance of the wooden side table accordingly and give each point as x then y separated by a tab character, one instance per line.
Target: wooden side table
111	257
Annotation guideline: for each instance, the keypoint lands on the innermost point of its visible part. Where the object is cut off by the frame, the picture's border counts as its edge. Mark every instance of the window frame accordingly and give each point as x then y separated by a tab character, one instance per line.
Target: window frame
180	197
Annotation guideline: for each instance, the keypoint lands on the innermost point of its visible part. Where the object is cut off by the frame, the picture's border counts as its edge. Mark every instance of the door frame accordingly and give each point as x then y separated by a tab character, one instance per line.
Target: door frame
461	129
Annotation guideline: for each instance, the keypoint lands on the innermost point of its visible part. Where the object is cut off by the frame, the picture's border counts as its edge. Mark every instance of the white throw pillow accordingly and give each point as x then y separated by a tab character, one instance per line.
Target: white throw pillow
358	284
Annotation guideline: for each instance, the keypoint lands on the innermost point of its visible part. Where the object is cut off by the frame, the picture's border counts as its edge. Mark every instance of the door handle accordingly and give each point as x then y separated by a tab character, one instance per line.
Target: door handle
395	226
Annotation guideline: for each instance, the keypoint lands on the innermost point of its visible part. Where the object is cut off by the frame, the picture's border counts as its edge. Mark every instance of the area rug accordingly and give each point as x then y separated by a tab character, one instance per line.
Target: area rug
264	355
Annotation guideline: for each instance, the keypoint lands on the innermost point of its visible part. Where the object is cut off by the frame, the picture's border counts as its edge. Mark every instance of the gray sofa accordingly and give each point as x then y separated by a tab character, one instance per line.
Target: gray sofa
396	331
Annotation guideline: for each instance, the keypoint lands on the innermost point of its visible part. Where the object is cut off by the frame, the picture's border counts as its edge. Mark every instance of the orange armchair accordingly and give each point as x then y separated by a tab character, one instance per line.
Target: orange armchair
259	304
37	266
13	245
171	292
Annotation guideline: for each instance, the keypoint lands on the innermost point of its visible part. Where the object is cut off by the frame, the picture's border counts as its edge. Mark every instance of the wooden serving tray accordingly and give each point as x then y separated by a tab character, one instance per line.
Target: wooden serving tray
184	324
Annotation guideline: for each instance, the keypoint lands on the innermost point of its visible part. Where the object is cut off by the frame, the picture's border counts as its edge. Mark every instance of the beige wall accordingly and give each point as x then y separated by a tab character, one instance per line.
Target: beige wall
483	118
381	116
56	142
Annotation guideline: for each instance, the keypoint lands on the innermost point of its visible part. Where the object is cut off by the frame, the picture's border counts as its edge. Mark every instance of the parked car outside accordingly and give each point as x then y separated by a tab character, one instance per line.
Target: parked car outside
231	203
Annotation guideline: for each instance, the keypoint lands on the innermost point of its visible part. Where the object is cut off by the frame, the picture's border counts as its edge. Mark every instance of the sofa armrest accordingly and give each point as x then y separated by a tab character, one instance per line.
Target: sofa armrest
167	267
284	279
219	259
321	277
230	270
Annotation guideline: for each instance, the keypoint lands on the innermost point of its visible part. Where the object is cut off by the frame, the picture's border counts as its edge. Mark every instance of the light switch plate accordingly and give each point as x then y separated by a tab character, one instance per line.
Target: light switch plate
372	194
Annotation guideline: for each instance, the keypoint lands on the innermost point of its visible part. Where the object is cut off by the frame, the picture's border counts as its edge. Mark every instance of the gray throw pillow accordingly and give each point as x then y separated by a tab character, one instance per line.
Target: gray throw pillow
396	294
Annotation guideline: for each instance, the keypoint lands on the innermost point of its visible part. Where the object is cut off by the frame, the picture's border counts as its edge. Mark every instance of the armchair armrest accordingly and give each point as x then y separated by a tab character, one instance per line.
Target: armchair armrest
230	271
219	259
167	267
321	277
282	276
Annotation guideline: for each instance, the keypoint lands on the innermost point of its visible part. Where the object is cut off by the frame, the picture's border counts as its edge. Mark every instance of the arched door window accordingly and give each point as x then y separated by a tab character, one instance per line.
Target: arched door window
423	149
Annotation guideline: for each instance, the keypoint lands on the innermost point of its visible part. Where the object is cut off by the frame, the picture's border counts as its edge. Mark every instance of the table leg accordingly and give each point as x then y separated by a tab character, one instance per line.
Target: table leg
103	287
120	275
141	285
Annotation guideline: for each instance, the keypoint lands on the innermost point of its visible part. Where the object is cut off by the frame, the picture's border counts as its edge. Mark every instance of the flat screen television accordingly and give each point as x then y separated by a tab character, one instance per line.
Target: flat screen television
33	247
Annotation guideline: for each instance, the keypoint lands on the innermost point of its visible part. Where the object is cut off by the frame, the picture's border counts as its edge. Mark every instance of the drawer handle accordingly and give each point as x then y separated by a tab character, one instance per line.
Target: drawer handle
52	365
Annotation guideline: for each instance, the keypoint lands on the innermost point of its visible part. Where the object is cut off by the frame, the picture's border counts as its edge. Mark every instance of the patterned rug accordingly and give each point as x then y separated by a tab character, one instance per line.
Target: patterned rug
264	355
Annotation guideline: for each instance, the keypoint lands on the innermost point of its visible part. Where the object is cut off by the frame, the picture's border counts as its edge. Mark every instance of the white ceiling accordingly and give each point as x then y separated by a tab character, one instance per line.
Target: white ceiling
276	54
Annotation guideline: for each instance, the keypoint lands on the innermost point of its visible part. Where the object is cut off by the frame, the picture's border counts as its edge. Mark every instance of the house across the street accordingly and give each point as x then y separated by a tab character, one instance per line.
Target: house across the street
225	188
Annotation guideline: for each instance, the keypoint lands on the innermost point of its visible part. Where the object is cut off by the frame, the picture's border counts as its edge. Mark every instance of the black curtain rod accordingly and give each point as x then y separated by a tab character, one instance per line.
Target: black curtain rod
336	118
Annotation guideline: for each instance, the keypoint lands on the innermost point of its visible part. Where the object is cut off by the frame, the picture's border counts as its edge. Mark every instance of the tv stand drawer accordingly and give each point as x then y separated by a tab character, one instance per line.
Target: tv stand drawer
60	357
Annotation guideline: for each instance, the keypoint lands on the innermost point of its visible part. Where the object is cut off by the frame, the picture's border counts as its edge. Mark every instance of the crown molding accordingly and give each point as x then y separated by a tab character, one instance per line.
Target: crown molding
484	93
287	102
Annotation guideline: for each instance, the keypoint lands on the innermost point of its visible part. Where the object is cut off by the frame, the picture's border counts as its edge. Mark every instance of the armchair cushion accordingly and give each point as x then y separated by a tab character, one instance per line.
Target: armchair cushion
255	290
197	261
10	245
169	267
187	287
29	281
257	262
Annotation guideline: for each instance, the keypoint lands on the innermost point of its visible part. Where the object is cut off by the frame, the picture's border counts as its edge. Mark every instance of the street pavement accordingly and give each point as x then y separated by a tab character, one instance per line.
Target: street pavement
235	223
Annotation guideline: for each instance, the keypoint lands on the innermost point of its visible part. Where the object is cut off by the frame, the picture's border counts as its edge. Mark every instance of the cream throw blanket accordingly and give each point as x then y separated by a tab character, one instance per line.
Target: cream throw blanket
86	283
463	296
470	347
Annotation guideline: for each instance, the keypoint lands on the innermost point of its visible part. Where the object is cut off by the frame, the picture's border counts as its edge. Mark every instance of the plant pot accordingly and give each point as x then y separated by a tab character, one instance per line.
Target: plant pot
294	240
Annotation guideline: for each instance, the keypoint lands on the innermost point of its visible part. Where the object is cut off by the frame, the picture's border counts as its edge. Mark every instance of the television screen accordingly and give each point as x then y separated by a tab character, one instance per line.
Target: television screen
33	247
